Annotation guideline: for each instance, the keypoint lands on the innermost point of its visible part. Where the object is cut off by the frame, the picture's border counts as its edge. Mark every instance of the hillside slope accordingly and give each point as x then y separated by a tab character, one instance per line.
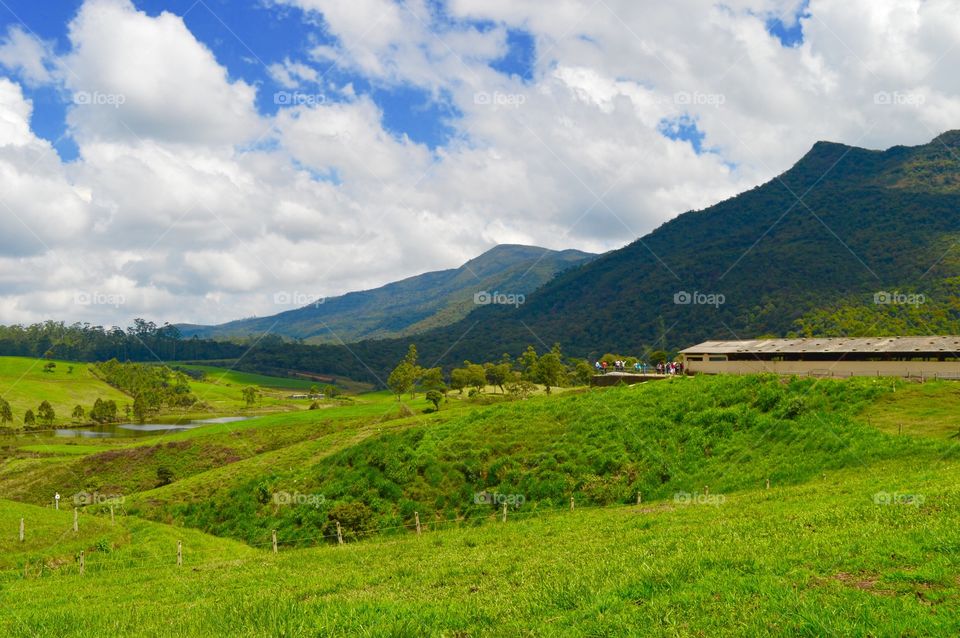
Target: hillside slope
412	305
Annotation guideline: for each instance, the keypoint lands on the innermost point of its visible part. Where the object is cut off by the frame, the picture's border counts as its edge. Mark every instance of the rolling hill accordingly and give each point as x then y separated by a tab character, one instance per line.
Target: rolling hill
409	306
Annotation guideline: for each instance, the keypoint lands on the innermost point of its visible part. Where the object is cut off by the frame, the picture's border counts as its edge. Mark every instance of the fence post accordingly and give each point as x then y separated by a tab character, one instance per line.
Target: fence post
706	490
274	541
416	516
21	530
768	483
504	512
111	514
639	497
339	534
82	566
571	504
179	553
76	520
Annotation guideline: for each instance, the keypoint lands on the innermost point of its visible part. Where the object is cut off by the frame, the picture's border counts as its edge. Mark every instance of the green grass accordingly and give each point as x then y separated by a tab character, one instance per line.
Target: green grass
858	535
808	560
928	409
25	385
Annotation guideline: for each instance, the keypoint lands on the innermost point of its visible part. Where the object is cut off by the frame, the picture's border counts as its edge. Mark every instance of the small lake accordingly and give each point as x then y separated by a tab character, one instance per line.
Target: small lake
117	430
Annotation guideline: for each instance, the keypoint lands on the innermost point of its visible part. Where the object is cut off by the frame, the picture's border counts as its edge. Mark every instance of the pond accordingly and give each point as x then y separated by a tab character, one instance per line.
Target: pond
112	430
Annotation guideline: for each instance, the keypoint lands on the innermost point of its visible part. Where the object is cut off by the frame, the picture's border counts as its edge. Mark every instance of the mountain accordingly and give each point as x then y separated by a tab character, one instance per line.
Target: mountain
846	241
413	305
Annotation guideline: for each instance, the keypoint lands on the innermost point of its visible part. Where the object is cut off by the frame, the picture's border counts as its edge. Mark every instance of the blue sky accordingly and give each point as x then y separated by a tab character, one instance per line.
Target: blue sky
246	37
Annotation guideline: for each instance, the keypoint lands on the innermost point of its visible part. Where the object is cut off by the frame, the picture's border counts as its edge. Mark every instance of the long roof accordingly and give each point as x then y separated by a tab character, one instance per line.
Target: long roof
906	345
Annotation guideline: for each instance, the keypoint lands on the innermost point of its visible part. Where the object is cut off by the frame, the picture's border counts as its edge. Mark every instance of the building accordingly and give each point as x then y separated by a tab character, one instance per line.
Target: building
919	357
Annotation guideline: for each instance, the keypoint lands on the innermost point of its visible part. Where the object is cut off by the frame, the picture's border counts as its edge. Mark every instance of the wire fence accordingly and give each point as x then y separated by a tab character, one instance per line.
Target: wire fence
182	556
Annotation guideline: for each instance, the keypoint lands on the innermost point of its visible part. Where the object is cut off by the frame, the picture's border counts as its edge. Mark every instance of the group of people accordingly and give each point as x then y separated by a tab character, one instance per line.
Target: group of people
640	367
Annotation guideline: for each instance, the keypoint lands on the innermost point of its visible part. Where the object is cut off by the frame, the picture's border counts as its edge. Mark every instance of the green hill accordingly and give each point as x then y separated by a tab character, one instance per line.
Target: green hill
409	306
858	532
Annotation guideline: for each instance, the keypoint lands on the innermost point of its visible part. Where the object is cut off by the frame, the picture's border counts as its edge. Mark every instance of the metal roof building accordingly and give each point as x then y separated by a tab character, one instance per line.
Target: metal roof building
933	356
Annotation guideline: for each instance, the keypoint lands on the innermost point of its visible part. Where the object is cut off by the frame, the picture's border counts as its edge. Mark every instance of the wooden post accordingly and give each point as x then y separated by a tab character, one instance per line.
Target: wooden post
21	530
706	490
639	497
504	512
416	516
571	504
81	563
111	514
768	483
339	534
274	541
179	553
76	520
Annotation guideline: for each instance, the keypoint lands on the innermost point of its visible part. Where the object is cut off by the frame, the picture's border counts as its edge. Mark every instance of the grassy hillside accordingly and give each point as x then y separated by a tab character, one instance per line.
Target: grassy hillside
856	535
822	558
25	384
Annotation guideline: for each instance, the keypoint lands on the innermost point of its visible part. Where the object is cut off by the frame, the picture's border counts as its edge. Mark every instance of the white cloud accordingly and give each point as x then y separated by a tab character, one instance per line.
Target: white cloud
172	206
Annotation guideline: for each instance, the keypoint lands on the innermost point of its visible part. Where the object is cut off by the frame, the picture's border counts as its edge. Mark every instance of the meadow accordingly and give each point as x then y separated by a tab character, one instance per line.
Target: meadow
767	506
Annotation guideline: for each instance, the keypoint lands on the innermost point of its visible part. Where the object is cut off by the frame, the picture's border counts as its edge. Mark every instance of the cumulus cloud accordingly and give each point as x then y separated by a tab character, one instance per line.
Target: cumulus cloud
187	204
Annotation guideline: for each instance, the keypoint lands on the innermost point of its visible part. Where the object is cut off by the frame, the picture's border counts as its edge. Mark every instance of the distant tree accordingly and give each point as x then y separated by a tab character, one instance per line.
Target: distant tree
78	413
140	409
69	369
582	372
656	356
331	390
497	374
402	378
6	414
45	413
28	418
50	366
435	397
476	376
250	394
314	389
459	379
550	370
432	379
528	364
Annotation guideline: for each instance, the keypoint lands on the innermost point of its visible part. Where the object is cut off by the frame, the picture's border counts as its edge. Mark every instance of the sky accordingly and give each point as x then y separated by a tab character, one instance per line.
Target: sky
205	160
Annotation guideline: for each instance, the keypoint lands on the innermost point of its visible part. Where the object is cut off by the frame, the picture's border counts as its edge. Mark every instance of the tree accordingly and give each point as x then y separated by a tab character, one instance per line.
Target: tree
498	374
28	418
435	397
250	395
6	414
331	391
45	413
402	378
50	366
314	390
550	370
528	364
459	379
582	372
78	413
432	379
140	409
476	376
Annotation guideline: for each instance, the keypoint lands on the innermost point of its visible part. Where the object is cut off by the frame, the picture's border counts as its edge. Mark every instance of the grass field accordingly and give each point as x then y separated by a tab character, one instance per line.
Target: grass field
858	533
24	384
